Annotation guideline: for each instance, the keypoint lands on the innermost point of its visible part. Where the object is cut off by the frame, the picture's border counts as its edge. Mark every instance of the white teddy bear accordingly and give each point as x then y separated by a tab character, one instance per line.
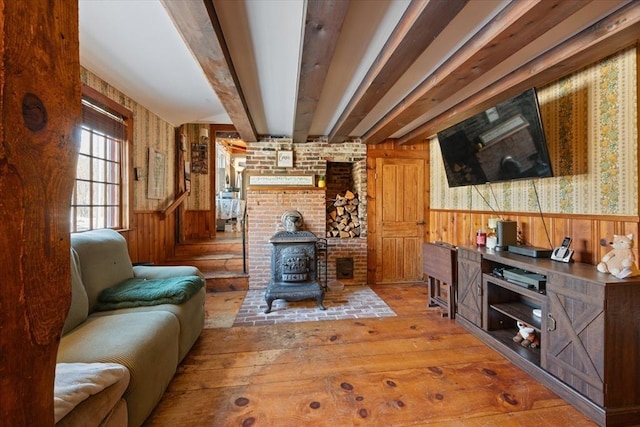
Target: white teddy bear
620	261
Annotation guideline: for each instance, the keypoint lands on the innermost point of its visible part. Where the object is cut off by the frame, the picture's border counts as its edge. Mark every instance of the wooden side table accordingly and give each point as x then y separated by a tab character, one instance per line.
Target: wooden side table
439	262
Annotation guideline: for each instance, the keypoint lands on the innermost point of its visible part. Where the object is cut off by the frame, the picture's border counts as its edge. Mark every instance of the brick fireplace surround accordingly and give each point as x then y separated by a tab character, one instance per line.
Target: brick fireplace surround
265	206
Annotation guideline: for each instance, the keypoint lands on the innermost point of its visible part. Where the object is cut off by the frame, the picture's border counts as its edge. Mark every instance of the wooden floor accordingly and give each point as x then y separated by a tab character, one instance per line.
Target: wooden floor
411	370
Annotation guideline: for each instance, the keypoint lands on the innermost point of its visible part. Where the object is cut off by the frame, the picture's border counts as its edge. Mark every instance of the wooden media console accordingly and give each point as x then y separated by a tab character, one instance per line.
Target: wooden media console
589	328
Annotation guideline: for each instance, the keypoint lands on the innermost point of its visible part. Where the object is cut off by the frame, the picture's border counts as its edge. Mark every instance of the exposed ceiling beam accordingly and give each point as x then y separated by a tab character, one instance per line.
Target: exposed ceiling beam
592	44
233	146
198	25
515	26
419	26
322	29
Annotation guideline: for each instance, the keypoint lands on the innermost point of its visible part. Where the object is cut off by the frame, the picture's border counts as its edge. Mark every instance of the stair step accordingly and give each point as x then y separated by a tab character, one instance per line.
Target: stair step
219	260
226	262
221	281
184	250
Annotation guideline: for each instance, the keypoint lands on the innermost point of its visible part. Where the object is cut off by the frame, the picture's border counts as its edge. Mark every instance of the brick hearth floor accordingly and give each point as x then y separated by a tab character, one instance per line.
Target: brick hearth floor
353	302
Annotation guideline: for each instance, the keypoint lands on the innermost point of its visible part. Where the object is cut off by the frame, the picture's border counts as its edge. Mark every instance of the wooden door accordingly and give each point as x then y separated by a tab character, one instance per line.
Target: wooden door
400	219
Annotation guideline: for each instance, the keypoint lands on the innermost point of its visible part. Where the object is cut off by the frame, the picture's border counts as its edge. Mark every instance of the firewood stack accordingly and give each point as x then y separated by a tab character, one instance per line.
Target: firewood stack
342	216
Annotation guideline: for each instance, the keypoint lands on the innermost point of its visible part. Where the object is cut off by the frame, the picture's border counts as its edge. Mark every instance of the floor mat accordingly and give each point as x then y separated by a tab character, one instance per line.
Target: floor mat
353	302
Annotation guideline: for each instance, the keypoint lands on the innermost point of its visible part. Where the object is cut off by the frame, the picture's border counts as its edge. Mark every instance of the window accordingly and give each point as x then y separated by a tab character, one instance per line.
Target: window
100	195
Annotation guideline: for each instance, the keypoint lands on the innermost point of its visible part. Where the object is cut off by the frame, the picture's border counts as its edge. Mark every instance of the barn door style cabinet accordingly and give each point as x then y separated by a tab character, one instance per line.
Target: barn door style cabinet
589	328
469	304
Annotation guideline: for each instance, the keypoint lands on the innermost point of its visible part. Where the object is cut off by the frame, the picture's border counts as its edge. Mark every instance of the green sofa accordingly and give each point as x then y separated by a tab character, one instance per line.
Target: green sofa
149	340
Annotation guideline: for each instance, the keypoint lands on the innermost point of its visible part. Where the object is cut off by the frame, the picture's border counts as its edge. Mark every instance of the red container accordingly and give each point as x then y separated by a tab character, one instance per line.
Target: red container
481	238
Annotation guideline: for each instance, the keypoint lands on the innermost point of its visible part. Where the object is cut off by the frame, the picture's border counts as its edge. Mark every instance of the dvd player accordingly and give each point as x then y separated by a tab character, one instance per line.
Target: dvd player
530	251
525	278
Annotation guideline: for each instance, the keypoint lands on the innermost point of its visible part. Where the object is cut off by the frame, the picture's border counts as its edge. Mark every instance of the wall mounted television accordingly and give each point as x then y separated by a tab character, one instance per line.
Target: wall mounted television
503	143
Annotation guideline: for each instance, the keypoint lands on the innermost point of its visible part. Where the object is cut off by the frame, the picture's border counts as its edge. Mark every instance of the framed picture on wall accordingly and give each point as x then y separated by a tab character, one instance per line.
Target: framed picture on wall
157	174
285	159
199	158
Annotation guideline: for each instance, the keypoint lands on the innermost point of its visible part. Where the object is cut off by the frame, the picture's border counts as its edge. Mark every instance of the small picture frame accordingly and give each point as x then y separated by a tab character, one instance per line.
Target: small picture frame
284	159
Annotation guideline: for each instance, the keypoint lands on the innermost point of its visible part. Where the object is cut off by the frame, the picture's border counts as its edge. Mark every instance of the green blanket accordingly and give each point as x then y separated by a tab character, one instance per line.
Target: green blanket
145	292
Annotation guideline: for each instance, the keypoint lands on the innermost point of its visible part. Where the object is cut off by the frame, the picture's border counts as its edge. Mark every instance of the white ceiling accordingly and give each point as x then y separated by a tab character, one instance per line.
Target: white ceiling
135	46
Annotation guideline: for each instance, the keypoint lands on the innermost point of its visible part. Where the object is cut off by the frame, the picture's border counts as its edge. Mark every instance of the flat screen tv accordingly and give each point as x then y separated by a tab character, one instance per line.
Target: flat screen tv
503	143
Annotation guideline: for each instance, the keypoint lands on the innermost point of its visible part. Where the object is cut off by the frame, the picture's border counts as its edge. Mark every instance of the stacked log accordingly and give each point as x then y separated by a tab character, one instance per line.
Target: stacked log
342	216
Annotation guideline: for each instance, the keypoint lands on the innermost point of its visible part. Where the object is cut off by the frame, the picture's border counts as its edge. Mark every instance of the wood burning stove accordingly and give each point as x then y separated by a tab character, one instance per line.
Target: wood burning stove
294	262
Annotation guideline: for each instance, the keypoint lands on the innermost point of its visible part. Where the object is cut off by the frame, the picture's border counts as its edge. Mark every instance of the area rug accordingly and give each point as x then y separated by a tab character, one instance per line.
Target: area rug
353	302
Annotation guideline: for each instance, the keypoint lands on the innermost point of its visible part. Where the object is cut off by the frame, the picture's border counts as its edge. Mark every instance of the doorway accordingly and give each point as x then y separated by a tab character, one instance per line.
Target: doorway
228	184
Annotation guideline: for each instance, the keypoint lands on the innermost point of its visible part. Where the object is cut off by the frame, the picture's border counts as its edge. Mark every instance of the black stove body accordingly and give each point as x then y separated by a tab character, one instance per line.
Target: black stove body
294	262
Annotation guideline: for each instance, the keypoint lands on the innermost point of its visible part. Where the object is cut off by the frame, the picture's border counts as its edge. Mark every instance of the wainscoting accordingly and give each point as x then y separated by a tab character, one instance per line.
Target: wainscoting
150	238
459	228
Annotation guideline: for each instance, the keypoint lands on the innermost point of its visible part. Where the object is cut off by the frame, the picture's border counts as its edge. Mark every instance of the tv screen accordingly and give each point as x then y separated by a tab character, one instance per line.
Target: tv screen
503	143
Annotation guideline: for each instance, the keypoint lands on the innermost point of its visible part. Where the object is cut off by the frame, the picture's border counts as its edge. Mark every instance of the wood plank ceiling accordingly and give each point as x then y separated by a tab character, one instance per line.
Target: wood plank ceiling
381	69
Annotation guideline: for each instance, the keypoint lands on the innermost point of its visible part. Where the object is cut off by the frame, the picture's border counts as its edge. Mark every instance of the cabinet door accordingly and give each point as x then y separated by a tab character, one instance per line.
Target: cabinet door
573	334
469	304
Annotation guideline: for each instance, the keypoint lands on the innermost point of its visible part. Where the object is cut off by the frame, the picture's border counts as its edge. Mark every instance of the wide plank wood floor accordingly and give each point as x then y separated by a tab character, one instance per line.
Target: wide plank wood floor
415	369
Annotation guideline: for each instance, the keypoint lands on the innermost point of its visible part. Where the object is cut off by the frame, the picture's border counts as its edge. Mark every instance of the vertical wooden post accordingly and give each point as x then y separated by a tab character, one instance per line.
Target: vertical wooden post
40	114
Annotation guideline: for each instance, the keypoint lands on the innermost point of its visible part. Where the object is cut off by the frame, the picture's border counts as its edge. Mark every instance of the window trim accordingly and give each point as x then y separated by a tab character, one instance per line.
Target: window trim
127	187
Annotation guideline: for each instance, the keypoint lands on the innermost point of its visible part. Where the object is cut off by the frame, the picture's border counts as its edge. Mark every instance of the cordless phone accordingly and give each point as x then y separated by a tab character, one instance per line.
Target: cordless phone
563	253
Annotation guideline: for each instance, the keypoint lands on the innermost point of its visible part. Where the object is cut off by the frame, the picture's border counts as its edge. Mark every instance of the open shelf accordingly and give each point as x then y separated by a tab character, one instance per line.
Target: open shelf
519	311
505	305
505	337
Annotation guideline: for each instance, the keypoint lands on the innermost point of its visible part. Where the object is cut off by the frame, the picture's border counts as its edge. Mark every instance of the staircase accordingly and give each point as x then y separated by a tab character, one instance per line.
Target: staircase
220	260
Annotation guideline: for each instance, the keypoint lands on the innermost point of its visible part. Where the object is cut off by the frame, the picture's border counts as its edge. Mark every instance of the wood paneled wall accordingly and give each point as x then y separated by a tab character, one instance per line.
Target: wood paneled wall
459	228
151	238
199	224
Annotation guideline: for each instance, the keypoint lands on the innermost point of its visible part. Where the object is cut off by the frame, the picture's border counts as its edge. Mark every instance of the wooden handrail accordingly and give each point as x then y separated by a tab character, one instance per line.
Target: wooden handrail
173	206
